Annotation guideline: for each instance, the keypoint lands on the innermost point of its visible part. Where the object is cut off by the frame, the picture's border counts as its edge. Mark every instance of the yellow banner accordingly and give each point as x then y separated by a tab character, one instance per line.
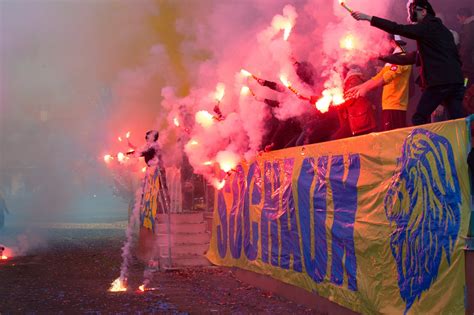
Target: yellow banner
152	201
374	223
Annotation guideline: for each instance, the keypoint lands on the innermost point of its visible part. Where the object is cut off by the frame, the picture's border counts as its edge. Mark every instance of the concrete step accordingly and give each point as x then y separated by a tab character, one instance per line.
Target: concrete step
180	218
189	239
184	249
184	261
186	228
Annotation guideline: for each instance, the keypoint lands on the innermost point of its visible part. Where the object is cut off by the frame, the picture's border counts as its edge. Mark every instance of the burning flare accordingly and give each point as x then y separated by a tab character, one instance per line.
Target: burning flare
348	42
227	160
219	184
107	158
4	257
220	92
127	135
176	121
245	73
245	90
143	288
344	5
284	80
204	118
287	31
287	83
285	22
121	157
333	96
118	285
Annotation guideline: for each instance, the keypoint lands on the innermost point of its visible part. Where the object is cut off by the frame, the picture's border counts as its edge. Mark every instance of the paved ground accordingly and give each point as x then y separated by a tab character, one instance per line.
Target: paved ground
71	271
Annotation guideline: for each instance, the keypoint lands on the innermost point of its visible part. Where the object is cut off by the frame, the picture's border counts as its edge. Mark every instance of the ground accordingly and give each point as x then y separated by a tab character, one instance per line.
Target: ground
72	271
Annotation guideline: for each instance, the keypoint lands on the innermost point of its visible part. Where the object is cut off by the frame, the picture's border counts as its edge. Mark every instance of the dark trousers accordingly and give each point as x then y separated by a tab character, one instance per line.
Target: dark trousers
451	96
393	119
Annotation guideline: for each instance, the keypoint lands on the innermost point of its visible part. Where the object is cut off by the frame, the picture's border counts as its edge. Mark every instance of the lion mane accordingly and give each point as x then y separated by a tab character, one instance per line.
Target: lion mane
423	206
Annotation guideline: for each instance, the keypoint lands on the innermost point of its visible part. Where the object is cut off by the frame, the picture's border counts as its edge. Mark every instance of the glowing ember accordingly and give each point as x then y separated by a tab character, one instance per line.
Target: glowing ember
204	118
107	158
118	285
127	135
121	157
245	73
347	42
142	288
119	139
220	92
176	122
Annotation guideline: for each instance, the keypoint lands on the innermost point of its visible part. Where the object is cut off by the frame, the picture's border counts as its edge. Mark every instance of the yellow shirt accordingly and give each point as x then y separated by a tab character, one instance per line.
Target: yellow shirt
396	86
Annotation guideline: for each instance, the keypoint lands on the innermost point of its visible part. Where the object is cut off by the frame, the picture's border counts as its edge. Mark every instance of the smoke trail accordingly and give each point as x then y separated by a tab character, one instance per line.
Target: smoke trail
134	220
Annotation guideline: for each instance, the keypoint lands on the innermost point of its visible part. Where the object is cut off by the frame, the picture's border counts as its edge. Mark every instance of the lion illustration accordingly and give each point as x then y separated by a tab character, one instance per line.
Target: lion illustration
423	206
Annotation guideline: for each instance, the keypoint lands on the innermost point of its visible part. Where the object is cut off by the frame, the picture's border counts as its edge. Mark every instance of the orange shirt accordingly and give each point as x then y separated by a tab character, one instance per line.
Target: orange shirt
396	86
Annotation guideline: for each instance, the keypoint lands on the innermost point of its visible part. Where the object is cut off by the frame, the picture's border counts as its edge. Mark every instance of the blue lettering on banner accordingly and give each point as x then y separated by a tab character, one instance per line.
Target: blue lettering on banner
315	267
290	240
222	228
251	248
235	219
281	227
271	184
345	207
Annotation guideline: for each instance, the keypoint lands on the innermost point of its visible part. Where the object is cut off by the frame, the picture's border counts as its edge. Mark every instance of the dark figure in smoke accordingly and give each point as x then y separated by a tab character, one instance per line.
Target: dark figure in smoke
423	205
441	75
466	19
3	210
151	151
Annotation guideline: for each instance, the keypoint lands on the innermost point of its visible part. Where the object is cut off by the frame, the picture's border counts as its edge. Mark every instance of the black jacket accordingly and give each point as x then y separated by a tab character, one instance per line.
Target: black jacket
439	57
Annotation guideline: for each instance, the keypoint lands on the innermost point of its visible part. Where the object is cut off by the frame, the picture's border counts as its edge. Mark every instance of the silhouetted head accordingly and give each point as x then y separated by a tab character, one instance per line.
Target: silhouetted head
152	136
418	10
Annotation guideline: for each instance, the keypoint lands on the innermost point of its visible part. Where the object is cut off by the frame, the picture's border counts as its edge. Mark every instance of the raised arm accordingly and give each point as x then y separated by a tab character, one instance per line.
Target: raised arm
412	31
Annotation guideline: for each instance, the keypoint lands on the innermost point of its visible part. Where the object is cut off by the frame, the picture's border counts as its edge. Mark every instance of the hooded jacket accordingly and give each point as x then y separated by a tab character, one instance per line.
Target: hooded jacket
439	57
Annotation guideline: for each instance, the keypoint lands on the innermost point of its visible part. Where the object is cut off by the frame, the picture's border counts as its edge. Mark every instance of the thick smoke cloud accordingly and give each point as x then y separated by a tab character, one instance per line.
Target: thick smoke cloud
75	75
